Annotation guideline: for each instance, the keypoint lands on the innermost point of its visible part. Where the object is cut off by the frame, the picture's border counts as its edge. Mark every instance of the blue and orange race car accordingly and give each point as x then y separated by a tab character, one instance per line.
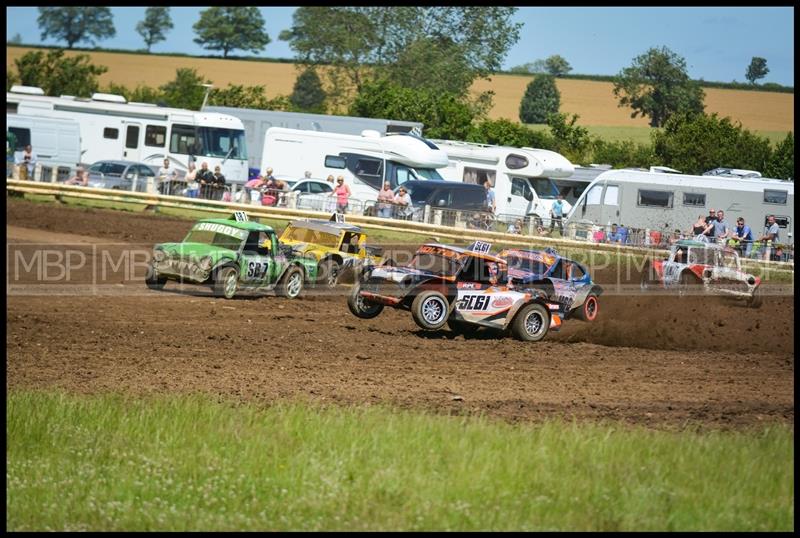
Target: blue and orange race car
564	281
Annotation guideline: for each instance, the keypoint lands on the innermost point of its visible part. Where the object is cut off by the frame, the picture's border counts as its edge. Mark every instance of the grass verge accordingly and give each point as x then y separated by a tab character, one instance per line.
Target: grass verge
175	463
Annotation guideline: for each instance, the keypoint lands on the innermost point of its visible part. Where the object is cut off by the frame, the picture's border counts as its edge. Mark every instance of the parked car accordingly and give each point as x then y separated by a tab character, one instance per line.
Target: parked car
446	195
310	194
335	247
463	288
120	175
563	280
230	255
695	266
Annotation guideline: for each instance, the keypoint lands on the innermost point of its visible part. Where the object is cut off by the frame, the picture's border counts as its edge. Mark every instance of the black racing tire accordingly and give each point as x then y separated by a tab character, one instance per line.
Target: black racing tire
226	282
755	300
462	327
430	310
589	309
328	273
649	278
531	323
689	284
360	307
291	283
153	280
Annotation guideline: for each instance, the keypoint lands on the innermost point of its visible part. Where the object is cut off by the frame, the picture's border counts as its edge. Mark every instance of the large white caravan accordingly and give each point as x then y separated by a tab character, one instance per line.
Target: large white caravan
668	202
522	177
111	128
56	141
365	161
256	122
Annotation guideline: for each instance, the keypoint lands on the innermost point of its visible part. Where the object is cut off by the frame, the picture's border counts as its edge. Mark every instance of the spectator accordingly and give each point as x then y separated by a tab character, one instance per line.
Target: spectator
26	159
675	237
342	193
307	175
385	200
269	189
403	202
744	235
268	175
699	228
490	198
252	190
330	179
709	230
192	186
218	184
770	238
281	189
205	178
557	214
11	148
622	235
515	227
721	227
81	178
166	176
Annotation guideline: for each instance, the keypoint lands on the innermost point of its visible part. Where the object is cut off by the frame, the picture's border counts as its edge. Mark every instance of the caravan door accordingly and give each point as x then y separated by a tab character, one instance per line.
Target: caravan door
520	200
132	150
611	205
591	208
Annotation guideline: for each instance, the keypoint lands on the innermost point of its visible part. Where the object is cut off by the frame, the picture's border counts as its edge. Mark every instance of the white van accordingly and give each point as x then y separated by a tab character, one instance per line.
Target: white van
56	142
522	177
365	161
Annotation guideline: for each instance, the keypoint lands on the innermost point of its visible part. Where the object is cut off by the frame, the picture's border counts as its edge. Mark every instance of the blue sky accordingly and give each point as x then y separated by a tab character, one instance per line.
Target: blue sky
717	42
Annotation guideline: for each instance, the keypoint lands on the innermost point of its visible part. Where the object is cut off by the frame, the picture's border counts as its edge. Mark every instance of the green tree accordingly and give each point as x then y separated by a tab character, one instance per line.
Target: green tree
231	28
657	85
530	68
696	143
504	132
541	99
155	25
238	96
756	70
444	115
622	153
308	95
57	74
76	24
364	43
434	63
572	140
557	66
17	39
781	162
140	94
186	91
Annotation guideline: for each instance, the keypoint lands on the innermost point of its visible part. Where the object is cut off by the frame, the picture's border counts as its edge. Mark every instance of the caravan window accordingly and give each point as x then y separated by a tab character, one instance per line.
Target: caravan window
519	187
367	169
594	194
655	198
694	199
132	137
222	143
23	137
110	132
479	176
612	195
334	161
155	135
515	162
183	139
775	197
544	187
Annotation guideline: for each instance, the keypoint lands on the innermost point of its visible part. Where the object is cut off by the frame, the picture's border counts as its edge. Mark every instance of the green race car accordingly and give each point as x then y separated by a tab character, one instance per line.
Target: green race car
231	255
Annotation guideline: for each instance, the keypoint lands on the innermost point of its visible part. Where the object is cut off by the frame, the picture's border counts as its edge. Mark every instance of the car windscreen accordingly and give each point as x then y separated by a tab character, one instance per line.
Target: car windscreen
217	239
428	173
544	187
527	265
306	235
419	192
109	169
435	263
701	256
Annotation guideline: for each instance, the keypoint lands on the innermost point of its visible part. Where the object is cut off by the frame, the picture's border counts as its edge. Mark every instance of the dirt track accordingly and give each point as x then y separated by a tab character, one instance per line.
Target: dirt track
652	360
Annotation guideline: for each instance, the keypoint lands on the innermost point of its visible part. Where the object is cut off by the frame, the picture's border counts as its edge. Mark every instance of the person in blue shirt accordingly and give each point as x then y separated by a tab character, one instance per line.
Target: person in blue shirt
557	214
744	236
490	201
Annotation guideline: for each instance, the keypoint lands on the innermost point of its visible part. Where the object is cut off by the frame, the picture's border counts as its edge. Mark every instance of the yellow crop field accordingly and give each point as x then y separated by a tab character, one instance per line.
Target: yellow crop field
593	101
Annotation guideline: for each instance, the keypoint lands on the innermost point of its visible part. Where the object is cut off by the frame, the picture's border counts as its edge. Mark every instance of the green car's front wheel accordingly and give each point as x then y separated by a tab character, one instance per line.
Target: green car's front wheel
153	281
226	281
291	284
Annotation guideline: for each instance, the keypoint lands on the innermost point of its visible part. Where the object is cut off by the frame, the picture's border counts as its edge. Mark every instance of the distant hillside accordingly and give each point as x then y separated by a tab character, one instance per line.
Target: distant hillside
591	99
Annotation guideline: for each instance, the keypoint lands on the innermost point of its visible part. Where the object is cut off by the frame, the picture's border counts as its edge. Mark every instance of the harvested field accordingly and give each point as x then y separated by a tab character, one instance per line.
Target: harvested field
651	360
592	100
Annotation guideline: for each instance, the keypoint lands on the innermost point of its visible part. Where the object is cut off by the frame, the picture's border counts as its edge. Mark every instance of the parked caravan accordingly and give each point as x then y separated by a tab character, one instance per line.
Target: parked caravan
365	161
256	122
522	177
573	186
56	141
112	128
668	202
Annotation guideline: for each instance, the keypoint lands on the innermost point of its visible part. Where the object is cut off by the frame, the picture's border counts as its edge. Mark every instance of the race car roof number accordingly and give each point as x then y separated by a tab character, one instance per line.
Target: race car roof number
240	216
481	246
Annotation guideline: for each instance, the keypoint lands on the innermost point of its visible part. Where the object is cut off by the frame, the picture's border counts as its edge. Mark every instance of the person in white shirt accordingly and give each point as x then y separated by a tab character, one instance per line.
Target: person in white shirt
403	203
26	159
166	176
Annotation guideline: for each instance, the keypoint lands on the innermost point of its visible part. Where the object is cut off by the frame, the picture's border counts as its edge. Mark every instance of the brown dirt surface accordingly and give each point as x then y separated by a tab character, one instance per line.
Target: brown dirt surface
592	100
659	361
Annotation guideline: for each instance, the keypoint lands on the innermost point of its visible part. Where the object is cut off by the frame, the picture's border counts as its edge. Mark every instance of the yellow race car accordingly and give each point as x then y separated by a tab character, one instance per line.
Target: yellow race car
337	247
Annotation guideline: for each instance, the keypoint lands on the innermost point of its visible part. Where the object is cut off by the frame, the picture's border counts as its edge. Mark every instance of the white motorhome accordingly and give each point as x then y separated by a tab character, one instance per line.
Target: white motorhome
365	161
256	122
56	141
668	202
522	177
113	129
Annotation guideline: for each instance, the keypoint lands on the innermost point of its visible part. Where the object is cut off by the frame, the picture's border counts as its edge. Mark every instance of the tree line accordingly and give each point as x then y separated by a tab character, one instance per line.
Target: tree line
418	63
